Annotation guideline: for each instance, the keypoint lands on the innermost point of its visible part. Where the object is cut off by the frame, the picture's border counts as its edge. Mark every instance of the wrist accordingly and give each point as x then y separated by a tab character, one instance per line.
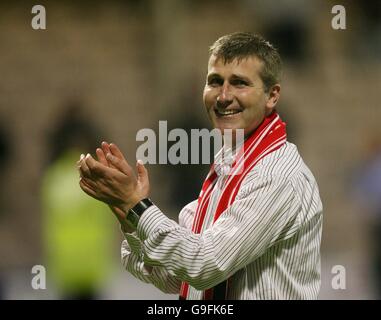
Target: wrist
126	206
126	227
121	216
134	213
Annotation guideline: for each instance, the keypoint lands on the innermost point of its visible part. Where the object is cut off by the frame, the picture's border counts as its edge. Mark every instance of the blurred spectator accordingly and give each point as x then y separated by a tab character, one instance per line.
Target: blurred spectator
188	99
288	115
4	160
286	25
76	229
368	29
290	37
368	192
5	149
192	174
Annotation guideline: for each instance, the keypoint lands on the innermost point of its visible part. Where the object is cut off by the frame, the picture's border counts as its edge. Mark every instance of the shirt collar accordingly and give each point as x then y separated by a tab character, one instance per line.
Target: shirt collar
223	160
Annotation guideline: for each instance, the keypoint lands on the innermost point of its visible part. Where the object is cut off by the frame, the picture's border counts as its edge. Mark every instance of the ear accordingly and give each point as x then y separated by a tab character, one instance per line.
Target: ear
273	98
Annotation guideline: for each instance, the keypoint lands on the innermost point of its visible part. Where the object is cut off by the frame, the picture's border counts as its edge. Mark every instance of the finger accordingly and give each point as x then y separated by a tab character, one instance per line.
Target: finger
84	174
80	160
115	151
119	164
106	149
87	190
120	213
84	169
89	183
95	166
101	156
142	172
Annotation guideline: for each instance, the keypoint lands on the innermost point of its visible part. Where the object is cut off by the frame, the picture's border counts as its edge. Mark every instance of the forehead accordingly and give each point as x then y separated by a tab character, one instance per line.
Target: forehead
248	66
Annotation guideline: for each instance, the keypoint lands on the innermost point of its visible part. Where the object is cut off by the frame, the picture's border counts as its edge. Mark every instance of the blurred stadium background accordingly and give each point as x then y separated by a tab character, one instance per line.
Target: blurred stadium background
125	65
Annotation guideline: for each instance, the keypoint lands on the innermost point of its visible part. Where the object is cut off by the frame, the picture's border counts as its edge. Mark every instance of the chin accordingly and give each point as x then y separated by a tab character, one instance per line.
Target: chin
227	126
231	130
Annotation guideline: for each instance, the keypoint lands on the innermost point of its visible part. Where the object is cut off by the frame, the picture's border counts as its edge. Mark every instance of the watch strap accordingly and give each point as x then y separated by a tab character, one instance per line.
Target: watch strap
136	211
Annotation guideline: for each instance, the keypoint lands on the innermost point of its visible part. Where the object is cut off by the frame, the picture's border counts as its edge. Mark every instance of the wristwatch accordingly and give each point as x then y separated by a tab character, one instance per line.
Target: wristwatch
136	212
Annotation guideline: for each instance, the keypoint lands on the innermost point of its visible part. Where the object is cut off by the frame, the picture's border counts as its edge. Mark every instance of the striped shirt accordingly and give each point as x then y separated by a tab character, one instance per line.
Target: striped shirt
267	242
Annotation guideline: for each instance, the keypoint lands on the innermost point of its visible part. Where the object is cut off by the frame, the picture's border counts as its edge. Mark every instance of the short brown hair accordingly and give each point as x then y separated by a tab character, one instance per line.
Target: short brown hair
240	45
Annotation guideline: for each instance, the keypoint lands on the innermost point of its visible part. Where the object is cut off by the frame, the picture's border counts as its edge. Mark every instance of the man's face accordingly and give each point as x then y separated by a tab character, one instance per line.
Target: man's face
234	94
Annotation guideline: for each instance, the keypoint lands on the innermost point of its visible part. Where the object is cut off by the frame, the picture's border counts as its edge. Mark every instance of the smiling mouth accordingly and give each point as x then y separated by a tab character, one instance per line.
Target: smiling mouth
226	112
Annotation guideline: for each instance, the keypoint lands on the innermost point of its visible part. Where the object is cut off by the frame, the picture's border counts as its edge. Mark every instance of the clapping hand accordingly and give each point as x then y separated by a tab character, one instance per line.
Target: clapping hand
112	180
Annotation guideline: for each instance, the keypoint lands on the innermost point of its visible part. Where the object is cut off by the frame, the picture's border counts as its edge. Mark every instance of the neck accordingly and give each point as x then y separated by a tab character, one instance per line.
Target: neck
233	139
236	137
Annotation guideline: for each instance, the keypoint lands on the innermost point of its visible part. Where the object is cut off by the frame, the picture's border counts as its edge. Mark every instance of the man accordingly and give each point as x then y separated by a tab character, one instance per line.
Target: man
253	233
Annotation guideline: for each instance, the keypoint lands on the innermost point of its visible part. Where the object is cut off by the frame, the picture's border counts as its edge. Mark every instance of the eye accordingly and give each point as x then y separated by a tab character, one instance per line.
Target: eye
239	83
215	82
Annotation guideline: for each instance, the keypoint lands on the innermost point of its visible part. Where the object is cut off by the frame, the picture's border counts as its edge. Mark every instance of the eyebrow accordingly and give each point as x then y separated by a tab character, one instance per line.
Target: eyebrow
233	76
241	77
213	75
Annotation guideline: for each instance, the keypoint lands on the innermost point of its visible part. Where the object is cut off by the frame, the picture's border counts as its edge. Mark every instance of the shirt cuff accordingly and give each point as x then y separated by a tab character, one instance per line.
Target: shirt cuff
132	240
150	221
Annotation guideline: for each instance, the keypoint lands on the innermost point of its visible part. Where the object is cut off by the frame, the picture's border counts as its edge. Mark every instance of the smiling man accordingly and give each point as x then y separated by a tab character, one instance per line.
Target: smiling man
237	93
255	230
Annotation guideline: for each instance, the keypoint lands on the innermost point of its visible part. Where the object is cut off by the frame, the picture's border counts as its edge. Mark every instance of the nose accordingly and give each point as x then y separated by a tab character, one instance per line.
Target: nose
225	97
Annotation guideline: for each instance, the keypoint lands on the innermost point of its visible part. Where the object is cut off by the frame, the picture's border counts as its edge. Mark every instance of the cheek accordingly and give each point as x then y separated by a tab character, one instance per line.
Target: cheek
254	102
249	97
254	108
208	98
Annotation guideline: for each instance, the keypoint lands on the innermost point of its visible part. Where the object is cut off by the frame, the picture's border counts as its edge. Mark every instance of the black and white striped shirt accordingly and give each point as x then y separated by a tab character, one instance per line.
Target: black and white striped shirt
267	241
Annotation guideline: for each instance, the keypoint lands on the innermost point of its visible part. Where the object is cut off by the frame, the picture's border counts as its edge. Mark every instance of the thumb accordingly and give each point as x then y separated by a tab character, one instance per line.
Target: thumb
142	173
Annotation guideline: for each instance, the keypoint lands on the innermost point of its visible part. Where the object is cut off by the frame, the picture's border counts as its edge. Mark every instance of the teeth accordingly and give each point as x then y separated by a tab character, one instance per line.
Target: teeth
227	112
